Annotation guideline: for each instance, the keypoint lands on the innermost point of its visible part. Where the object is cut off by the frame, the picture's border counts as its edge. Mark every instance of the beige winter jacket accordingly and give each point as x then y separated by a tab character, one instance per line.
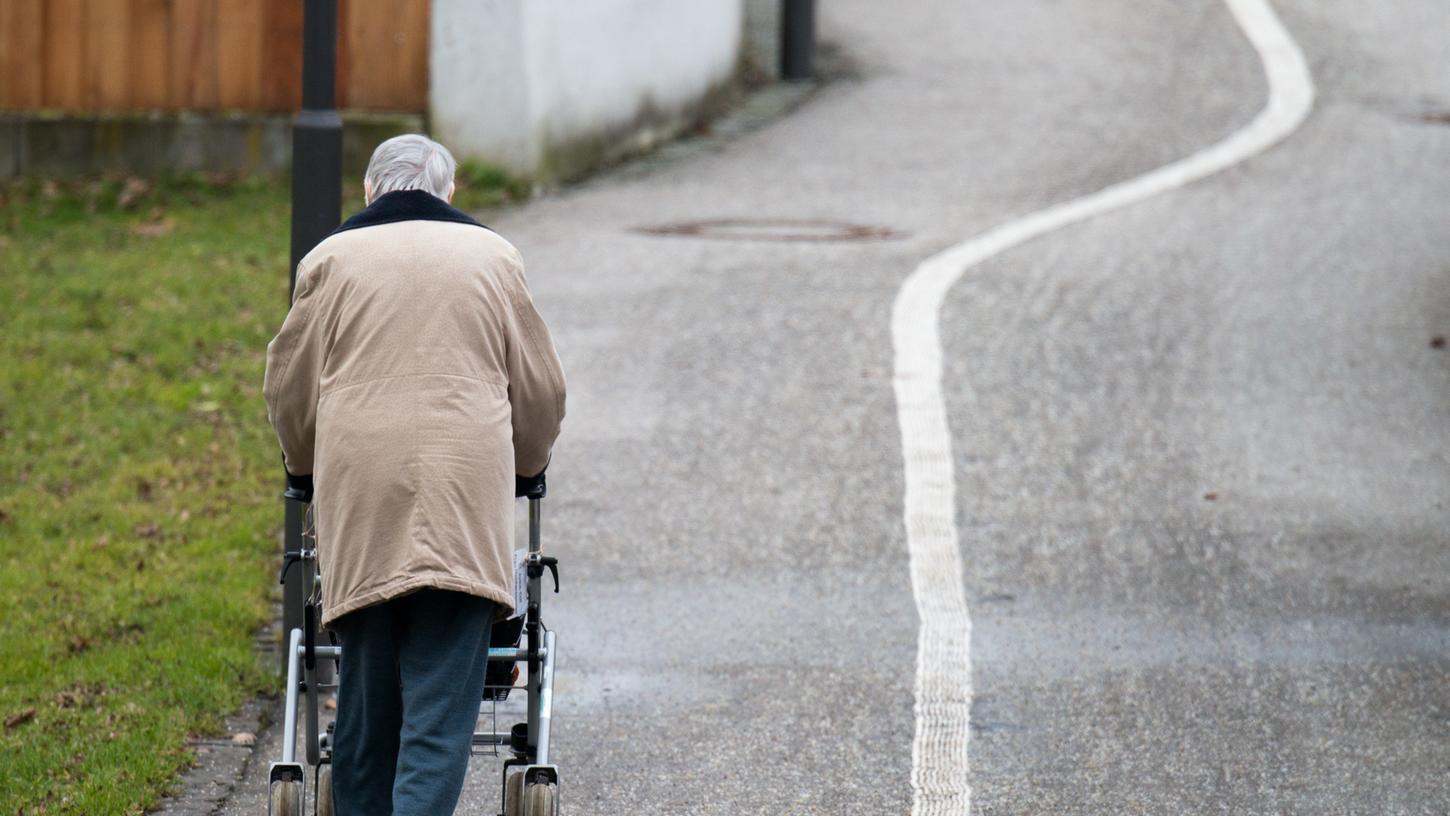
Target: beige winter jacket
413	378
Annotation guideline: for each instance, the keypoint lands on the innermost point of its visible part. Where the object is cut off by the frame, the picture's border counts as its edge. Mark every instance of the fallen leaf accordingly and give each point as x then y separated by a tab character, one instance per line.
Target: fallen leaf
185	515
157	226
133	190
79	695
103	542
244	738
19	717
147	530
1210	497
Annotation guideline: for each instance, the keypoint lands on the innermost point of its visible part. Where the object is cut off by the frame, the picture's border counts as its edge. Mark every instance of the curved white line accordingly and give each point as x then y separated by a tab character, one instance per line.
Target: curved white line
943	689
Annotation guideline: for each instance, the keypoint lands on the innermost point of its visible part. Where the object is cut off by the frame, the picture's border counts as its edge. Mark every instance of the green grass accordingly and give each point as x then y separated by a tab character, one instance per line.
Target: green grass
139	479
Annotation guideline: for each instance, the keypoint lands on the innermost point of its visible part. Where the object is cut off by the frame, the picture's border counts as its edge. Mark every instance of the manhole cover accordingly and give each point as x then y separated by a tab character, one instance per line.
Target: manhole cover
772	229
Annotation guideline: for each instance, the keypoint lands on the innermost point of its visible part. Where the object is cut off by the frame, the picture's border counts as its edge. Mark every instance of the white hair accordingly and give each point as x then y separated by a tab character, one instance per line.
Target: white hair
411	162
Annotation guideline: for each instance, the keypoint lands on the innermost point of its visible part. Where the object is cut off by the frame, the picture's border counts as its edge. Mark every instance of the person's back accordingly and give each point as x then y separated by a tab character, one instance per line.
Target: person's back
430	327
413	379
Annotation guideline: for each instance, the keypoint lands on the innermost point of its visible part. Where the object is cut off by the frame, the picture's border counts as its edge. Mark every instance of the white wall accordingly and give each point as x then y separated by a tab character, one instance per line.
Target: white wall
540	86
479	91
762	36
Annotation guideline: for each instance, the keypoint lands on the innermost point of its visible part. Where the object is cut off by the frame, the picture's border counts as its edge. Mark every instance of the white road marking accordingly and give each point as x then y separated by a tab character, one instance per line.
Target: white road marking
939	773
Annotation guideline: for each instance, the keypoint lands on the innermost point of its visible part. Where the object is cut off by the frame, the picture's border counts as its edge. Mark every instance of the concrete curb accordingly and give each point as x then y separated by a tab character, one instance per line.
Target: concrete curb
53	145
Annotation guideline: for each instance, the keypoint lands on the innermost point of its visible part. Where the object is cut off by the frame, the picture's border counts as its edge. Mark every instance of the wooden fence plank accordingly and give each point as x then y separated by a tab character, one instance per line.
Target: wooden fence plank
387	42
345	21
148	67
7	62
22	65
239	54
193	79
282	55
107	39
413	55
64	44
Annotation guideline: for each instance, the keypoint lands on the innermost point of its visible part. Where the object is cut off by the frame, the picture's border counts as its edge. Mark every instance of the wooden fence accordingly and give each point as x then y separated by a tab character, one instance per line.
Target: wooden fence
203	55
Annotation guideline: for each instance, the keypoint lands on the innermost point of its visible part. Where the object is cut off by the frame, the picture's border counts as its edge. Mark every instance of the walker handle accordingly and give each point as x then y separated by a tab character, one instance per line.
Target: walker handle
530	487
299	488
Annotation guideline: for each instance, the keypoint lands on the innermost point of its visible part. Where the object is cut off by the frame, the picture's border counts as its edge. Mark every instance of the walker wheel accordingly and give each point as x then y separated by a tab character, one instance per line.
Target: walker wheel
324	790
513	794
286	798
539	800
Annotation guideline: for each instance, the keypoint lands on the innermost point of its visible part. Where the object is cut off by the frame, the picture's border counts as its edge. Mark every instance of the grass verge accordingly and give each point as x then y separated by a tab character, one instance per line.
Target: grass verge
138	475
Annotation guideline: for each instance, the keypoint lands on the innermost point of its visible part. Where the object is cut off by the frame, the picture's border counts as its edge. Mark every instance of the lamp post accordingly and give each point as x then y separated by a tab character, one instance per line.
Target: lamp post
797	39
316	210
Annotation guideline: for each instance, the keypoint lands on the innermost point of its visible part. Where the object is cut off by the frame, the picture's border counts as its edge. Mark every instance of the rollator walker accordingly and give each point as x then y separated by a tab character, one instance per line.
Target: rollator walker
530	784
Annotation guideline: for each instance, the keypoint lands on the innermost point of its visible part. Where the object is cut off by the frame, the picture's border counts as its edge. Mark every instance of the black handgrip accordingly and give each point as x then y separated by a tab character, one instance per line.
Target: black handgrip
530	487
288	559
299	488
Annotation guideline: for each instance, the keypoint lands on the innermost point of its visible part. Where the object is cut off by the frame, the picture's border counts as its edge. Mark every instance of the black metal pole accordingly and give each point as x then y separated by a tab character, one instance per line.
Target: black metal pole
797	39
316	210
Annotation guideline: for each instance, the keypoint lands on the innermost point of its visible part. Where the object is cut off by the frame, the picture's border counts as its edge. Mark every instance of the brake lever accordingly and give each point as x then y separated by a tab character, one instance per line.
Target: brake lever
288	560
536	569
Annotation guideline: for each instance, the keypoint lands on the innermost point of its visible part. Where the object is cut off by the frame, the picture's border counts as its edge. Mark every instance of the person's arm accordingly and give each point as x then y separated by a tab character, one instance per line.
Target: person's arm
536	380
294	365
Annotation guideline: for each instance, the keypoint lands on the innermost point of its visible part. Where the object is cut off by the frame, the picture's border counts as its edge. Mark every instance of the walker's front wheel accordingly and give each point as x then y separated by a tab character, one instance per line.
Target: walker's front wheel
324	790
513	794
286	798
539	800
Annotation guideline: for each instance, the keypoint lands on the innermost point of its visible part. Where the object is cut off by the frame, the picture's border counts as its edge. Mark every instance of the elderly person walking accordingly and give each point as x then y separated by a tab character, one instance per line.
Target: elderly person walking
413	380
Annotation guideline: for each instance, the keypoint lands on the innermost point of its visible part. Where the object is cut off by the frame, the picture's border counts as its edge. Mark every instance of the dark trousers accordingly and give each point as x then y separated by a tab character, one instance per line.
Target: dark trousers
407	703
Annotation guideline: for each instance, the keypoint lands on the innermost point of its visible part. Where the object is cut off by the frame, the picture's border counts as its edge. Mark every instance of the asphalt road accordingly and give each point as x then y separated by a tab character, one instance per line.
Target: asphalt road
1200	442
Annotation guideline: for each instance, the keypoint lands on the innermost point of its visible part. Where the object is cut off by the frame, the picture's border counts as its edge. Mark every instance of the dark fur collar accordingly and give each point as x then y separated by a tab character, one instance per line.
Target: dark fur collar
405	205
